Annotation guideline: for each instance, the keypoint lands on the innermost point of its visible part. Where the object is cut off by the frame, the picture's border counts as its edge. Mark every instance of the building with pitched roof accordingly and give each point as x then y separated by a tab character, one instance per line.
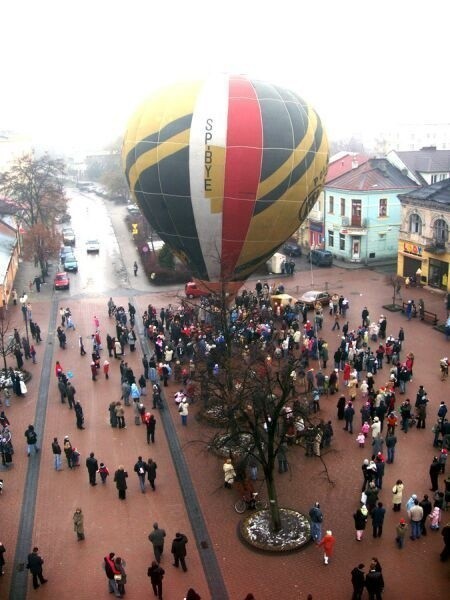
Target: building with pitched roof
424	166
9	259
311	233
423	240
362	212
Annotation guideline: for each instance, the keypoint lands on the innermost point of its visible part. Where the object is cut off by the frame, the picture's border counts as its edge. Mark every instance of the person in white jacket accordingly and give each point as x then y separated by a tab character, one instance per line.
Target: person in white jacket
376	427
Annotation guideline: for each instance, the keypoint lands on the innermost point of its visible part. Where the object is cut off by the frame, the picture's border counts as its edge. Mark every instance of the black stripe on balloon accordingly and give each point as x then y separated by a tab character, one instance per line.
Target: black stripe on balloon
284	124
297	173
155	139
241	272
163	193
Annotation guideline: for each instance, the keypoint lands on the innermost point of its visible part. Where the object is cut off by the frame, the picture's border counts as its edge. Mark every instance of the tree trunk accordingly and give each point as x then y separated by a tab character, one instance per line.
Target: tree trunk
273	500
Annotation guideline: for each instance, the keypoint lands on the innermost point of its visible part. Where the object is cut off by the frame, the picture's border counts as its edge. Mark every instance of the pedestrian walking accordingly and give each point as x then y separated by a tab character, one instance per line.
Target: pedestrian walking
68	451
140	468
135	268
120	478
229	473
111	573
156	538
70	393
79	415
121	576
327	543
2	558
427	508
191	594
151	472
33	353
31	438
435	469
316	516
349	413
56	449
360	518
150	423
358	581
81	346
179	550
103	472
120	415
78	524
106	369
377	515
34	565
446	538
183	409
62	389
397	495
156	574
415	514
94	370
92	467
401	531
374	584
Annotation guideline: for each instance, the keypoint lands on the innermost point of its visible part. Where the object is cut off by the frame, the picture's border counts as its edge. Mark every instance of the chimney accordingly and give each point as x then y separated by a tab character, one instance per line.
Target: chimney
355	164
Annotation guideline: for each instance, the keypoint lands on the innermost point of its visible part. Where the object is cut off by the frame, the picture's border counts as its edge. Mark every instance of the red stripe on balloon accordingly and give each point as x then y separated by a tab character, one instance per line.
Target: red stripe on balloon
242	170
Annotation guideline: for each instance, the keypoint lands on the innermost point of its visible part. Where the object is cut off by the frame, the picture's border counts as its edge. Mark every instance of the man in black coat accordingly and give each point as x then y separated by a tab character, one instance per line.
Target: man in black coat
434	471
374	584
70	391
34	564
179	550
427	508
358	581
92	467
156	574
378	519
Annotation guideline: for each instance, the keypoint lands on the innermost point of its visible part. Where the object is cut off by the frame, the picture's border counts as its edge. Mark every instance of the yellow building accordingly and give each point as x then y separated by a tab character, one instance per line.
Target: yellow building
423	237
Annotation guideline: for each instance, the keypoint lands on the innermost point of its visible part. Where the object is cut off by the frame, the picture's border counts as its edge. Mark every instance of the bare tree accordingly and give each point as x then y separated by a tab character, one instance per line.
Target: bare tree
396	282
36	186
7	342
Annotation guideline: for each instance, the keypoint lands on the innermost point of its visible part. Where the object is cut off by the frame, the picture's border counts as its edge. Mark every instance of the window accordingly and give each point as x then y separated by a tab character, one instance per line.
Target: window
331	237
440	231
415	224
341	241
382	208
342	207
433	178
331	205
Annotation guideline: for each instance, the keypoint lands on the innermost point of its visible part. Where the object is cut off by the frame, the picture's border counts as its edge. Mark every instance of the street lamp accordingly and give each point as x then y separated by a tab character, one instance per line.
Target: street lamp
23	301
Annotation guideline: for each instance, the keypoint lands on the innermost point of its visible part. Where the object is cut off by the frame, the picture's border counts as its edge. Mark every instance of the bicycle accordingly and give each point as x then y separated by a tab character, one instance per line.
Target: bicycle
254	503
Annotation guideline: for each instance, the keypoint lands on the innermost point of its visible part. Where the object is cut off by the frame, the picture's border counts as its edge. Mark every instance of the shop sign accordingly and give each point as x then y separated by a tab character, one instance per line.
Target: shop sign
410	248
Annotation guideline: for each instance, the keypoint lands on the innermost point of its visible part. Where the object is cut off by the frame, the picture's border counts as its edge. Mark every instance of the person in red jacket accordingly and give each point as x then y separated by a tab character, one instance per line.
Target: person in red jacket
328	542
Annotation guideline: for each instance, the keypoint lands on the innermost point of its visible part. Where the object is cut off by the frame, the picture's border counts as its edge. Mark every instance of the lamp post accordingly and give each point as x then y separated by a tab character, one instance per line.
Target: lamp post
23	301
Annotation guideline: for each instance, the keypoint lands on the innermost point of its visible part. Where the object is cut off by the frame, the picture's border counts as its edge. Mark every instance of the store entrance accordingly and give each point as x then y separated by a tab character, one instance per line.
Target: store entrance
438	274
410	266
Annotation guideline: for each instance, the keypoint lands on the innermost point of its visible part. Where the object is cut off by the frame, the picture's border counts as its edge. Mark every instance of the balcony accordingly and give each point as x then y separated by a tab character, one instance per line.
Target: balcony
436	246
354	222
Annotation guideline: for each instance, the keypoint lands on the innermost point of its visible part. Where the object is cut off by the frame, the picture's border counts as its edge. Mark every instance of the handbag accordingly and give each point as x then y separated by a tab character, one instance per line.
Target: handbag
118	577
23	387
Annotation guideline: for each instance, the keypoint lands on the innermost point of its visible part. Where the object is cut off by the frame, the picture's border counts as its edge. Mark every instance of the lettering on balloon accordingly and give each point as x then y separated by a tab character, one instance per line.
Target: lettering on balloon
208	155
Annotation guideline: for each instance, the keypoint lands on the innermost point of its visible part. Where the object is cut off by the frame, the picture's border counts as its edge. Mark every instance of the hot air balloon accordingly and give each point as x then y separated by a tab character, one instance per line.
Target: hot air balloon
225	170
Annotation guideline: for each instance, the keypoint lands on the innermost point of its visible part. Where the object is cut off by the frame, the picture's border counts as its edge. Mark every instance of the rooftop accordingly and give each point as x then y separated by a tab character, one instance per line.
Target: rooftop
436	192
374	174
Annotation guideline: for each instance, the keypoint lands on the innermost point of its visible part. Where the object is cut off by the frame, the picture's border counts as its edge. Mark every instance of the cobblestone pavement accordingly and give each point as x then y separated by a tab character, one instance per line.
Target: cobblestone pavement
74	568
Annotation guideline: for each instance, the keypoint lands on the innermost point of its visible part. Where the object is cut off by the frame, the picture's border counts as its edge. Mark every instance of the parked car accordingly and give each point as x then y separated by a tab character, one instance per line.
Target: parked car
192	290
68	236
70	263
61	281
64	251
322	258
292	249
92	246
133	209
310	298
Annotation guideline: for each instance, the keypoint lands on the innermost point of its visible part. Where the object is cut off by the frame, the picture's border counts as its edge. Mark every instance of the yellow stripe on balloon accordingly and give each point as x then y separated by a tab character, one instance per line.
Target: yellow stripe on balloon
158	153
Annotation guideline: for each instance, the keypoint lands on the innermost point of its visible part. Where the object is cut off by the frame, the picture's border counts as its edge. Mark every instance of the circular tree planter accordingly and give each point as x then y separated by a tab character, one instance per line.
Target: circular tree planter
5	380
214	416
393	307
295	533
225	445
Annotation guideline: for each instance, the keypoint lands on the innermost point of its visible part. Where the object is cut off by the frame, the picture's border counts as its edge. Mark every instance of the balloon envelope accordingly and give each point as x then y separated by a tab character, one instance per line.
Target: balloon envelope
225	170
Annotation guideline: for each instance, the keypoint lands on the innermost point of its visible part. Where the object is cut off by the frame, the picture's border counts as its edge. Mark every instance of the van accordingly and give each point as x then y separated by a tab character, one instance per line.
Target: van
322	258
192	290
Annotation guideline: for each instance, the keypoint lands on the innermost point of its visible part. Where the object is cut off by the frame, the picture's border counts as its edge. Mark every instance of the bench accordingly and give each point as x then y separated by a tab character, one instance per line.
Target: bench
426	316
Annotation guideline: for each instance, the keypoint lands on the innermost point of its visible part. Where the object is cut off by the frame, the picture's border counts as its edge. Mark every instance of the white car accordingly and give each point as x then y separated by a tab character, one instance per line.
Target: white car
92	246
310	298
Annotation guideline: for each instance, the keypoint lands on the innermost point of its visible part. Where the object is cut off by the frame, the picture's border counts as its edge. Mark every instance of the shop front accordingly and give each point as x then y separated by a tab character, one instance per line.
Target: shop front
316	237
437	273
410	259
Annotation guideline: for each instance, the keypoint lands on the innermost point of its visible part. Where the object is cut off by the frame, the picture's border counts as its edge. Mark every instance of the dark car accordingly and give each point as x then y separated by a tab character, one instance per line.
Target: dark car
321	258
292	249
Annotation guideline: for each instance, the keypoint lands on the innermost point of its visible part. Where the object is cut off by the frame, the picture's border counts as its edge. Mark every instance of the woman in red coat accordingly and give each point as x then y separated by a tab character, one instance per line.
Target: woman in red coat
327	542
